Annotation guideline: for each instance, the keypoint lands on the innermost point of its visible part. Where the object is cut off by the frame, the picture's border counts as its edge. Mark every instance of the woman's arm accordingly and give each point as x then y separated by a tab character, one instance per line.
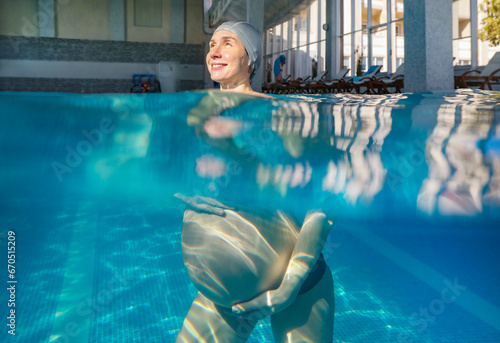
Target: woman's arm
312	238
308	247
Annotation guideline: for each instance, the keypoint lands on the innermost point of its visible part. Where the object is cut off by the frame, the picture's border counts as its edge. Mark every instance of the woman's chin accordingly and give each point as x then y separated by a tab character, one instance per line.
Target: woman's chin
218	77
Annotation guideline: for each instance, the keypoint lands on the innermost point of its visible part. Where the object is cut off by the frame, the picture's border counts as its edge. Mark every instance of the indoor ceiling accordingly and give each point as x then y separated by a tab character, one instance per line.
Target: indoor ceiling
275	11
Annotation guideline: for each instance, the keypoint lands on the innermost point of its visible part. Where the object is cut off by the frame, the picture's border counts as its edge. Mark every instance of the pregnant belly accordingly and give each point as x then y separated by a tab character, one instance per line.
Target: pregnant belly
235	258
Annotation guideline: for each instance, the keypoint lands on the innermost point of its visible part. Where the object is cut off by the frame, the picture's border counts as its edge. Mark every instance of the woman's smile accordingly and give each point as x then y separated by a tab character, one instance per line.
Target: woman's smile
218	65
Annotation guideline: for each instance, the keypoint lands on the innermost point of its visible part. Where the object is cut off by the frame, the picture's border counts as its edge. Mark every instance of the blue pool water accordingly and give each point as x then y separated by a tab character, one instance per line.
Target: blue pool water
87	184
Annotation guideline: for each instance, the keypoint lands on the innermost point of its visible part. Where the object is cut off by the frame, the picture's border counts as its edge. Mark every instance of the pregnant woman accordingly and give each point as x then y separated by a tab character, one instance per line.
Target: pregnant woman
251	263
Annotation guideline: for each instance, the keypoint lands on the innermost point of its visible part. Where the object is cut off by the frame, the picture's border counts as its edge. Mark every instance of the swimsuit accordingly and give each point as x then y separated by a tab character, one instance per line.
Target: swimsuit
316	273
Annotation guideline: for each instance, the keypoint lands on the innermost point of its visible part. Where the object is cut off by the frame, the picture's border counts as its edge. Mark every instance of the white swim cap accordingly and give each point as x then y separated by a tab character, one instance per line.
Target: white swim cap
251	39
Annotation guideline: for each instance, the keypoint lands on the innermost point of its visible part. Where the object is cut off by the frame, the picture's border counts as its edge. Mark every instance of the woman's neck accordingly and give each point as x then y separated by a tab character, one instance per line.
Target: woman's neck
243	87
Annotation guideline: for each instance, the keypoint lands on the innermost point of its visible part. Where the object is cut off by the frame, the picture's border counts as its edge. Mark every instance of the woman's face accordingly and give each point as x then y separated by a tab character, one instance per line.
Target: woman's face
227	60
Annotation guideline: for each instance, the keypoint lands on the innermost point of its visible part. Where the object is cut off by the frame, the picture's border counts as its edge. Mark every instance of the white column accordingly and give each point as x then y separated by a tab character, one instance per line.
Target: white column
255	16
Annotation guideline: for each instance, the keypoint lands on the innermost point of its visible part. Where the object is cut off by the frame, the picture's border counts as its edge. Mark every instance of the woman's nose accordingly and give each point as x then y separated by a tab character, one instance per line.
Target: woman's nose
215	52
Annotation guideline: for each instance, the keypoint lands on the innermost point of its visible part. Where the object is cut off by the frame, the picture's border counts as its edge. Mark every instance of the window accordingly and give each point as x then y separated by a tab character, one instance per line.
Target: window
378	61
467	48
302	40
377	33
374	28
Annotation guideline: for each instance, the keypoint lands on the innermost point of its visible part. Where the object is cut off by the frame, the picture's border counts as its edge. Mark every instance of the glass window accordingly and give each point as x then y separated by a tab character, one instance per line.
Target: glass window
398	9
269	70
303	35
484	51
346	16
364	14
464	51
304	62
270	41
461	31
371	33
379	51
314	22
346	54
277	41
398	45
292	65
313	58
361	52
294	31
303	20
288	66
303	40
360	15
286	39
379	12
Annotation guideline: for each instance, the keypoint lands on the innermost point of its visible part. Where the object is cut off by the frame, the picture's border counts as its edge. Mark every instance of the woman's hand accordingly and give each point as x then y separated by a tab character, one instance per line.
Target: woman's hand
265	304
204	204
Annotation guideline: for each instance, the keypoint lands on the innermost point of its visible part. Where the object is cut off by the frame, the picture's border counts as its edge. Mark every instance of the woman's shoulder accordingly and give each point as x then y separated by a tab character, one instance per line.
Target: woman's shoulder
263	95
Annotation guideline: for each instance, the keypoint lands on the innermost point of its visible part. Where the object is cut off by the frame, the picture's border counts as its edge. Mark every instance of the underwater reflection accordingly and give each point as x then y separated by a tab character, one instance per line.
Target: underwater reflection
129	140
356	130
461	155
347	137
340	141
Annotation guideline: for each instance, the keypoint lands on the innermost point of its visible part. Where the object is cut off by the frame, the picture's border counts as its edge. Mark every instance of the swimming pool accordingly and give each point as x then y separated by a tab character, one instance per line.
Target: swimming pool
87	184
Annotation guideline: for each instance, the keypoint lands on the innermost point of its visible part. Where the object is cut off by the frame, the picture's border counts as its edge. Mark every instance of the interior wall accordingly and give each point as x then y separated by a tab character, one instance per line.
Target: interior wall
19	18
194	22
90	19
83	19
148	34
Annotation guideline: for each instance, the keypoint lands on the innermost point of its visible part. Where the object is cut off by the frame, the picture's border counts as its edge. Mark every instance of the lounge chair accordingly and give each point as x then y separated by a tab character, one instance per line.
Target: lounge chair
308	86
320	76
293	86
489	75
380	85
364	81
276	87
331	85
